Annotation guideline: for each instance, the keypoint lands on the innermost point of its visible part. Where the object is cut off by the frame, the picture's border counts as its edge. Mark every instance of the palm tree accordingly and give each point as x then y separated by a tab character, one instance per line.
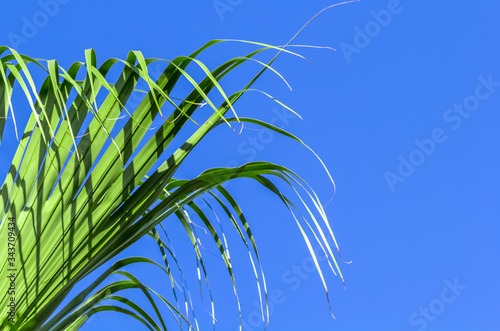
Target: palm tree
91	176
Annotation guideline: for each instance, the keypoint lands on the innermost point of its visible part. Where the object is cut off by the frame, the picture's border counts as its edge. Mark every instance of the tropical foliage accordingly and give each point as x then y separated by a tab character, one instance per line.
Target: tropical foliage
91	176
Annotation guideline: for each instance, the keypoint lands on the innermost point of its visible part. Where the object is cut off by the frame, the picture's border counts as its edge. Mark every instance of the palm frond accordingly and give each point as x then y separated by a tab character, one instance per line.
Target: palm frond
84	186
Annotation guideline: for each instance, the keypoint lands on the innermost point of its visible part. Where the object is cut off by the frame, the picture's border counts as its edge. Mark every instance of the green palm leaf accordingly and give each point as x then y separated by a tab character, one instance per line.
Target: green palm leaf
84	186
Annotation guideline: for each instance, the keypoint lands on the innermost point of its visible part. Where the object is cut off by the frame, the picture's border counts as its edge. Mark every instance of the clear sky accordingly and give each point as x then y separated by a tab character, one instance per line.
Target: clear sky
405	115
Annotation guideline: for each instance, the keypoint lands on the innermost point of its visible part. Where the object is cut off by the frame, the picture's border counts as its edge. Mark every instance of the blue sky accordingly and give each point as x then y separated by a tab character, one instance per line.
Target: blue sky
403	113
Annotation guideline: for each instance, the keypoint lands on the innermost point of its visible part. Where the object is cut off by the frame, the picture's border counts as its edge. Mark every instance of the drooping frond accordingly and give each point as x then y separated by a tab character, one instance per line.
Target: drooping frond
92	175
